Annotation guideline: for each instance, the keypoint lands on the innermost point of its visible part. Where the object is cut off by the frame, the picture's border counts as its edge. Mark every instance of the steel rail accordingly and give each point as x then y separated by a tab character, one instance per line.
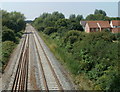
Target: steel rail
56	78
53	72
41	66
22	68
18	68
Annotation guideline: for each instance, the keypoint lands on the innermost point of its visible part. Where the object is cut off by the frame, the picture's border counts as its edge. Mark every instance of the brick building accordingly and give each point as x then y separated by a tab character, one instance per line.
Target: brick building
115	24
94	26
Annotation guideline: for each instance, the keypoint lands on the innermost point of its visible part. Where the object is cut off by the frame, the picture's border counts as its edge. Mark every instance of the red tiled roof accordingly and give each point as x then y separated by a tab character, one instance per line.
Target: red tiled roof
94	24
116	22
104	24
116	30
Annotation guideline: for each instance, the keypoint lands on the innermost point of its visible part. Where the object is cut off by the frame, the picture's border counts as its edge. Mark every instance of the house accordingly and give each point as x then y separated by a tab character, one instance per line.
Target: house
115	24
91	26
94	26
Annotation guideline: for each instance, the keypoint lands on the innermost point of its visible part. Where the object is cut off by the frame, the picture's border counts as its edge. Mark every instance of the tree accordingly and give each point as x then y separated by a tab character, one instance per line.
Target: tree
72	16
96	17
58	15
44	15
79	17
12	24
72	36
21	24
49	30
75	26
13	20
100	12
8	34
5	17
62	23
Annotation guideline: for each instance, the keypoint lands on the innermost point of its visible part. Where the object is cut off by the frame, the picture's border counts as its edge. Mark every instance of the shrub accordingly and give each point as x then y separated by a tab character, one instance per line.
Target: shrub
50	30
7	48
41	28
8	34
19	34
72	36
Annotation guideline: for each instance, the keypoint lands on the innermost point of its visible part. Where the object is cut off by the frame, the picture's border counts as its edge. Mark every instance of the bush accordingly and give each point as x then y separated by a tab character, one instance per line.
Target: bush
13	20
7	48
50	30
96	52
72	36
19	34
41	28
75	26
8	34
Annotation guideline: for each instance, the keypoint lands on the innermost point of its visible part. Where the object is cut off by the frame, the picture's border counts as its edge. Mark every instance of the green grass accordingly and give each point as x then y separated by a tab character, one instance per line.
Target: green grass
7	48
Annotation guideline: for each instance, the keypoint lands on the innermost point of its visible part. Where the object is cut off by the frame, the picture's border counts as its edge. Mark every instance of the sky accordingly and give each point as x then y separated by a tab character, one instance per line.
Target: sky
59	0
31	10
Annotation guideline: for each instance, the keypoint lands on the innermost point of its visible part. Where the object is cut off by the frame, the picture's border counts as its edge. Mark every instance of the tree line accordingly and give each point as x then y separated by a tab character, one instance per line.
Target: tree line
100	15
95	55
13	24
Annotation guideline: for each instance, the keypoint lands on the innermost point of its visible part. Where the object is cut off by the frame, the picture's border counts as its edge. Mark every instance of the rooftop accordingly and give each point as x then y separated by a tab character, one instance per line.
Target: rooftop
96	24
116	22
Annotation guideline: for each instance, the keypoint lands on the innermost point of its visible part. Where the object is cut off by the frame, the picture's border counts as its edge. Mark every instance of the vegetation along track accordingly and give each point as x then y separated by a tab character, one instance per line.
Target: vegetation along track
21	76
50	79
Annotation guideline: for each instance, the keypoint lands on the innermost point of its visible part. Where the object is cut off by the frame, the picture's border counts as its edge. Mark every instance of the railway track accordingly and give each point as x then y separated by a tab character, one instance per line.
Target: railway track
45	73
49	77
21	76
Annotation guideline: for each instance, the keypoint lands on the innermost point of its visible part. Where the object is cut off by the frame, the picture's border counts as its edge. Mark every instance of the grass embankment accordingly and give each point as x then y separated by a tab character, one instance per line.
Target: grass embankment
7	49
67	60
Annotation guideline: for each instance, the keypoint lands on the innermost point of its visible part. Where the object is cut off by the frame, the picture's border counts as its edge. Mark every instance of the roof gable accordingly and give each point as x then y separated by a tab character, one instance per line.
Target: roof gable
83	23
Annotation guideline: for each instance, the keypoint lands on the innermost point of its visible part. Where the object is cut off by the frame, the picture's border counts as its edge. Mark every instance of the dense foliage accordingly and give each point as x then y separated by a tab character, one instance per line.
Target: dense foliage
100	15
7	48
96	55
57	21
12	25
13	20
100	12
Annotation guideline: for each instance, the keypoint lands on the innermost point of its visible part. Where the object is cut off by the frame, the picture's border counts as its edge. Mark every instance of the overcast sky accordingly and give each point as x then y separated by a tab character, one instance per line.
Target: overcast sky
33	9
